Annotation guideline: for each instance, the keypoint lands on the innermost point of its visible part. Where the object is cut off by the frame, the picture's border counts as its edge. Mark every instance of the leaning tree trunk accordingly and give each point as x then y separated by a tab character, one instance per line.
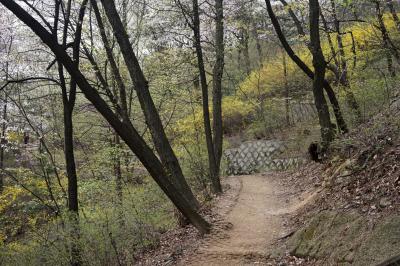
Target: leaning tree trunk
328	89
127	132
152	117
327	130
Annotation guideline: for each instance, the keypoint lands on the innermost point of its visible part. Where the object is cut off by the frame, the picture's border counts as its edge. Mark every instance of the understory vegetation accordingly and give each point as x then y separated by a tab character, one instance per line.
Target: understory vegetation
100	157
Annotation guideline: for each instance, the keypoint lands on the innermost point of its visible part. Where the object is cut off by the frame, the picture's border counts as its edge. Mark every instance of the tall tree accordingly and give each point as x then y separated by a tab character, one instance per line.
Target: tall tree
69	99
327	128
303	66
218	72
126	131
335	68
212	161
153	121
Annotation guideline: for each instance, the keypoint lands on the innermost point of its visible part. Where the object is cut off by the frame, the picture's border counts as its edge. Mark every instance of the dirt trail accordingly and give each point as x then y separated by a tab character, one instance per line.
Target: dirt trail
255	208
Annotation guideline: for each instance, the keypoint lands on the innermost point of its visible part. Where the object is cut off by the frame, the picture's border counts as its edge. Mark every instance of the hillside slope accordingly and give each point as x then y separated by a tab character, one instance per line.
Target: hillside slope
356	217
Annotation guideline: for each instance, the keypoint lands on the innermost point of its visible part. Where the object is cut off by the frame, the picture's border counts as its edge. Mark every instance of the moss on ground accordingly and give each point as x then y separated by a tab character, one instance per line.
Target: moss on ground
345	238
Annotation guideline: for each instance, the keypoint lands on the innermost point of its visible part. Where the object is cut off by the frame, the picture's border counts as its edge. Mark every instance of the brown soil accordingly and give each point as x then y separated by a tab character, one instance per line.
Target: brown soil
254	211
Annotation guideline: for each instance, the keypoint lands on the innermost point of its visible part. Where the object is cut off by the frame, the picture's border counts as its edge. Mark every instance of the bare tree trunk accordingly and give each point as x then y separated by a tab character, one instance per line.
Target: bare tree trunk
334	68
390	67
121	97
69	103
342	63
243	49
152	117
70	161
327	129
68	98
127	132
218	72
329	91
204	89
73	206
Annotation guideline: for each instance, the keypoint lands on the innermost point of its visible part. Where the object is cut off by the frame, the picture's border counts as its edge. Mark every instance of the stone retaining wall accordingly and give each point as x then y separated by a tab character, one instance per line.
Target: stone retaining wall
256	156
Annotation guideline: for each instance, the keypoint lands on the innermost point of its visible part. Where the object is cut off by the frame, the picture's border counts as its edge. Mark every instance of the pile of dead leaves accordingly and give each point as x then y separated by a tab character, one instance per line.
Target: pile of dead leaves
365	171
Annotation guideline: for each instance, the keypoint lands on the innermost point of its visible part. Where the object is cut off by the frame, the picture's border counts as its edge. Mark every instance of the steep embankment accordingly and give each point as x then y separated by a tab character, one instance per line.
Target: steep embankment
356	218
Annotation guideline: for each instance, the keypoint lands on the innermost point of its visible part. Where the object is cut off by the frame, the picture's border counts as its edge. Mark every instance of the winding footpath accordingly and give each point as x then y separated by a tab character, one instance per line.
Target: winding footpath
254	211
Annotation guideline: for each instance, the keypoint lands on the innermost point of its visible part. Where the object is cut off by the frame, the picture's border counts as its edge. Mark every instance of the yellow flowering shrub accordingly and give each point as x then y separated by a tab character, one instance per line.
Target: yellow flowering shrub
14	136
234	114
9	195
